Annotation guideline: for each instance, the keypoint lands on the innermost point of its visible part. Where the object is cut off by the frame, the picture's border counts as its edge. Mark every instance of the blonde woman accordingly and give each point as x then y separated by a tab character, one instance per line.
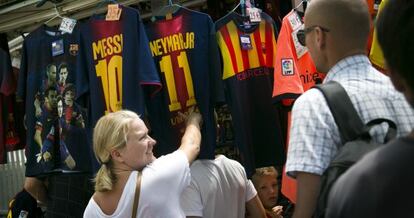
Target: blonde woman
122	145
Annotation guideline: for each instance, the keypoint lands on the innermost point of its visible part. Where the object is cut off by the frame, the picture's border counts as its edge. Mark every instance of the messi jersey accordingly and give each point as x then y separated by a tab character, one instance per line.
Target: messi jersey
248	78
295	71
186	55
114	64
56	137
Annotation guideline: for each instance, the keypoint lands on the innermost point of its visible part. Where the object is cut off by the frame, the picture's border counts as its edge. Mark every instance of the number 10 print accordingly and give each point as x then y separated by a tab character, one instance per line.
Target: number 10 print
111	78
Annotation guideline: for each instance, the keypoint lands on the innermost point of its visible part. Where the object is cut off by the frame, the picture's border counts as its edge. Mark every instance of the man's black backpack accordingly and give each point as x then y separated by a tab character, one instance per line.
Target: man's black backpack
355	137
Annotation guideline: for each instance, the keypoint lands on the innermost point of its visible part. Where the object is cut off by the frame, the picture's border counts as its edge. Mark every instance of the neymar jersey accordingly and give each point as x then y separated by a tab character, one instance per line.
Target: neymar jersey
186	56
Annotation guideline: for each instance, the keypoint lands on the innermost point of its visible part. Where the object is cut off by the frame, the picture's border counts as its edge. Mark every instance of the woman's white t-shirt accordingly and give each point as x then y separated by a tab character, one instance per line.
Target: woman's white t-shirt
162	183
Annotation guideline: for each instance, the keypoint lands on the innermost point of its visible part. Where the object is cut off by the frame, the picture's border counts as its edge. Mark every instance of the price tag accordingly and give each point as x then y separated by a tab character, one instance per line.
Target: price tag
300	49
67	25
254	14
114	12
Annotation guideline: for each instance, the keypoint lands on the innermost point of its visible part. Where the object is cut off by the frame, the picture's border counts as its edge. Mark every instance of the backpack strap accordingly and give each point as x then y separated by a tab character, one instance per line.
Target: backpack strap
346	117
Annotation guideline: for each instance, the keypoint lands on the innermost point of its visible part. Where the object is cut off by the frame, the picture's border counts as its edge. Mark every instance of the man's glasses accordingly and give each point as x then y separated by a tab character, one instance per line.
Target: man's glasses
301	34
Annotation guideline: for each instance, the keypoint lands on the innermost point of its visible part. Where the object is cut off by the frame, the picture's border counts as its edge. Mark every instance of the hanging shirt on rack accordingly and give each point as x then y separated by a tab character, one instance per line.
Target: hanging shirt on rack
7	88
248	59
186	55
56	137
295	71
114	66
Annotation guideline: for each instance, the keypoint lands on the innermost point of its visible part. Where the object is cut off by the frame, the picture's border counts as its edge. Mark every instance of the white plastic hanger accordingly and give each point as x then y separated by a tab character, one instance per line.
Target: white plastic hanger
57	15
168	9
300	4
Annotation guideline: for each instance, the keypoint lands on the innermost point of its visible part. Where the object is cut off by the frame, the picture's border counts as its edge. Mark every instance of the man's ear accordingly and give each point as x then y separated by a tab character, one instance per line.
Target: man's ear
116	155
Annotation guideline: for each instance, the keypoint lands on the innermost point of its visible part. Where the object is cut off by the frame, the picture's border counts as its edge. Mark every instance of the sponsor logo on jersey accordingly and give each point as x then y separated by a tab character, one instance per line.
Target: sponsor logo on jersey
287	67
310	77
250	73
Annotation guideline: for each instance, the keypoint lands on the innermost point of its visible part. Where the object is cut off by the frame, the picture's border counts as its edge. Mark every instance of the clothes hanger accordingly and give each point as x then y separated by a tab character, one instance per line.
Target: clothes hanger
242	4
243	9
304	3
170	8
102	3
57	15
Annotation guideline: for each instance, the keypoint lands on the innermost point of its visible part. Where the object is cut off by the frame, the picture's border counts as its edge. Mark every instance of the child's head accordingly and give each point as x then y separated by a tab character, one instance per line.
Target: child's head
265	182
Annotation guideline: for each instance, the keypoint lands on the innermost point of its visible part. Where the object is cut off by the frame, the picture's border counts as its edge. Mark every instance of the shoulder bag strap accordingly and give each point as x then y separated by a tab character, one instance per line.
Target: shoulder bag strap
136	197
346	117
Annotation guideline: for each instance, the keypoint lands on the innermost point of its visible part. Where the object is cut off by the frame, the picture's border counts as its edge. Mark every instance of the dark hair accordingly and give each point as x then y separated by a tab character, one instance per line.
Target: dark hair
69	87
63	65
395	28
49	89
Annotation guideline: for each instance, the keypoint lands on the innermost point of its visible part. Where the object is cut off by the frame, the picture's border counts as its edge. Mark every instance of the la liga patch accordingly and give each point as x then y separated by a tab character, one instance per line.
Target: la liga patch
287	67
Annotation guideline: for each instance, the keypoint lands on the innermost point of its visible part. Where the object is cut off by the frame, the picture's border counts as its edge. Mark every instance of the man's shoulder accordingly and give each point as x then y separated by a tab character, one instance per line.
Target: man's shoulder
312	98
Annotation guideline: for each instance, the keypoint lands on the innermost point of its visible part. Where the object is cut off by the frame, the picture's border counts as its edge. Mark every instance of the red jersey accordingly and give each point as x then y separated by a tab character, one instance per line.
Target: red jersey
294	73
294	70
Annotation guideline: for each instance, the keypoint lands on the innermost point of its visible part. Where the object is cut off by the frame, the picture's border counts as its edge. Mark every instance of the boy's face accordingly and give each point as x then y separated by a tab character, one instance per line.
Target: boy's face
268	190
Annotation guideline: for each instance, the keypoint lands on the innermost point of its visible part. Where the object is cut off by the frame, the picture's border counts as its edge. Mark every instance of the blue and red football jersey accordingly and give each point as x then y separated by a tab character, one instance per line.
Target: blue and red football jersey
7	87
115	62
114	66
56	136
186	55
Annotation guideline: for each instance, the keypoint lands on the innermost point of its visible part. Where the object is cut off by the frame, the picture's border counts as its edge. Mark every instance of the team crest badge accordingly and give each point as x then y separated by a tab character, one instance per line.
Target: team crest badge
73	49
287	67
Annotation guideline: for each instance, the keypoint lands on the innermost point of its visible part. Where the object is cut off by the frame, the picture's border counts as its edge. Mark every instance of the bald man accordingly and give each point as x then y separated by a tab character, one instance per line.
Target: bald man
384	188
336	34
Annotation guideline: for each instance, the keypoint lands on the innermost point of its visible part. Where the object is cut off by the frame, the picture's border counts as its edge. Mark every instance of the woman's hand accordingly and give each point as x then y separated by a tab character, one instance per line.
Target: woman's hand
193	117
190	143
